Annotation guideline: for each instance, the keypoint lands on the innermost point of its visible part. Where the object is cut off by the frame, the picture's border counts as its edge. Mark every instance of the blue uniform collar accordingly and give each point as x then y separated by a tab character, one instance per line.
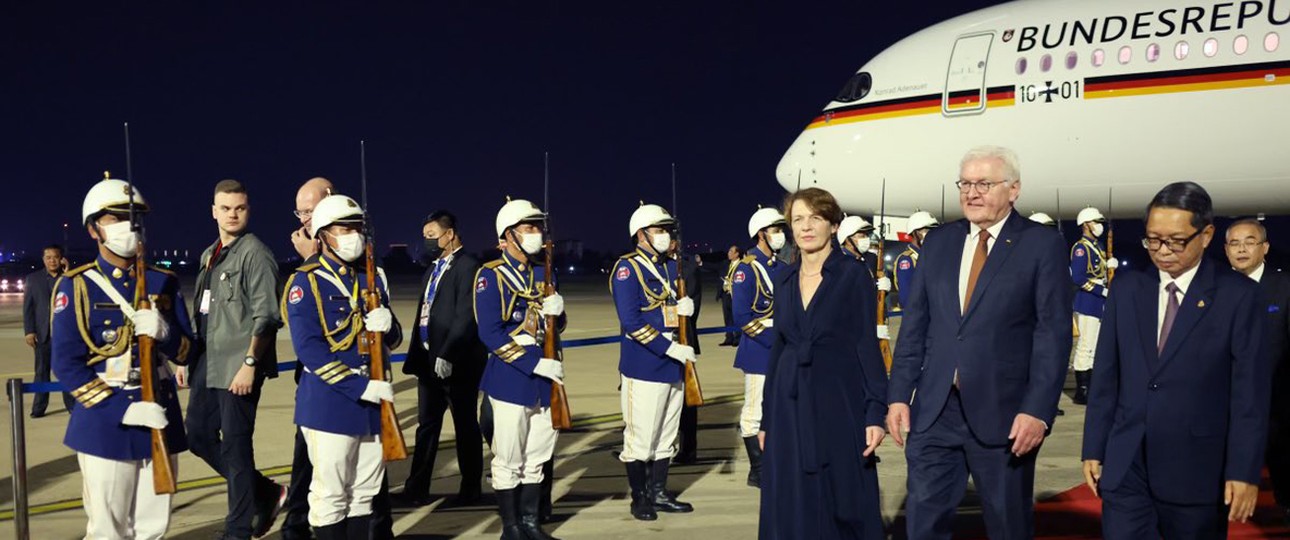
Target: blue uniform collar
757	254
112	271
651	257
1092	240
515	263
338	269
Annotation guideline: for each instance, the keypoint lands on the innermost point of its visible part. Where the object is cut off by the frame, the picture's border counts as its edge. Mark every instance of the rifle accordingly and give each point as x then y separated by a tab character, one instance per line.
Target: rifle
392	446
693	392
884	345
1058	219
561	416
1110	237
163	477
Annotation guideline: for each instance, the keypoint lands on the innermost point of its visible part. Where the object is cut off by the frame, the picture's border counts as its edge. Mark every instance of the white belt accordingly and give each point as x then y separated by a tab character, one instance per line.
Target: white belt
121	385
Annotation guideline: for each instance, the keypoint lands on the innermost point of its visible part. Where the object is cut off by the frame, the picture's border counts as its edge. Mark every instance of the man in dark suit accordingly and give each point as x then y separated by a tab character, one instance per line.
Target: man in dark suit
985	343
1247	250
1179	403
37	291
732	257
448	359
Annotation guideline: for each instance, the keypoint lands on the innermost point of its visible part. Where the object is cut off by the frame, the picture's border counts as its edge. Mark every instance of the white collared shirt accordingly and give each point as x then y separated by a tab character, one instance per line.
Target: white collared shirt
447	262
1257	274
969	251
1183	282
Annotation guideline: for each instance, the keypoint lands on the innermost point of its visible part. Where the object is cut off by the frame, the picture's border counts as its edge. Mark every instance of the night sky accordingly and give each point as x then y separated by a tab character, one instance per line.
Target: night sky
457	102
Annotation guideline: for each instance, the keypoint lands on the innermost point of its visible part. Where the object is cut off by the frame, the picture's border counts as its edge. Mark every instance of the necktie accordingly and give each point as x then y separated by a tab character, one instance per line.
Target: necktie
1171	313
978	262
425	315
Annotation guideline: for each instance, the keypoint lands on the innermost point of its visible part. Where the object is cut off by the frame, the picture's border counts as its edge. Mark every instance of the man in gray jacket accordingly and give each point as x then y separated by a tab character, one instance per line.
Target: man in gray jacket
235	320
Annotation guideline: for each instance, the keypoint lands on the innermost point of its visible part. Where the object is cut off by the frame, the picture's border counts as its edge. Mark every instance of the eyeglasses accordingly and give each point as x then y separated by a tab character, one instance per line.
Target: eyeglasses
1174	245
979	187
1249	245
303	214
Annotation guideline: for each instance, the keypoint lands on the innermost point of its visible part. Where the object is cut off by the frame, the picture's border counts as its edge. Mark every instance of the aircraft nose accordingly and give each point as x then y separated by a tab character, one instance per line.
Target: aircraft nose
793	166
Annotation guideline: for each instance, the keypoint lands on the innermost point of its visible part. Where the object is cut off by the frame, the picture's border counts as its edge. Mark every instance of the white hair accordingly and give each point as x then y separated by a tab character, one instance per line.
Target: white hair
1011	165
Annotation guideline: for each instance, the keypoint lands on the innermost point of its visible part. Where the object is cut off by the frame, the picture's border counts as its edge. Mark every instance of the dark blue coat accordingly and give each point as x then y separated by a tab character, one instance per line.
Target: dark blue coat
639	300
825	386
508	301
1011	348
1201	407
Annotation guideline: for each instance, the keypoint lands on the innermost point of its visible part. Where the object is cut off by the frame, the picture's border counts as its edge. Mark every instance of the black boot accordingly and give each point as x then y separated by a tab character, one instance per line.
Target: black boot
545	508
1081	387
530	495
508	508
754	461
664	502
335	531
359	528
637	478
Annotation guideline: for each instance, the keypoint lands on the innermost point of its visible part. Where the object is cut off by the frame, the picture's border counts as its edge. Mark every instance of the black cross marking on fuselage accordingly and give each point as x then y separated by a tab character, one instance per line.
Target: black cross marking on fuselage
1048	92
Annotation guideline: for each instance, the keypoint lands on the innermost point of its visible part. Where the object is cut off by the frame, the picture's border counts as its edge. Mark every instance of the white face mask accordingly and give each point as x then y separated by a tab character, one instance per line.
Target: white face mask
863	244
531	243
661	242
119	239
775	241
1097	229
349	247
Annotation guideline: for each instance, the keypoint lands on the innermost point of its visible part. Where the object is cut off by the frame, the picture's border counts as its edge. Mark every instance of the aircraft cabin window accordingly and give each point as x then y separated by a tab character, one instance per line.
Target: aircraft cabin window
1271	41
1153	52
1099	57
1181	50
1210	47
1072	58
1046	63
1126	54
855	89
1021	66
1240	45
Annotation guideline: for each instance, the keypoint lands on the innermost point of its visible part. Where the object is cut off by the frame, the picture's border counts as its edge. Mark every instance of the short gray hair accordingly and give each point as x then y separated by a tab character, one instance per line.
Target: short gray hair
1263	231
1011	165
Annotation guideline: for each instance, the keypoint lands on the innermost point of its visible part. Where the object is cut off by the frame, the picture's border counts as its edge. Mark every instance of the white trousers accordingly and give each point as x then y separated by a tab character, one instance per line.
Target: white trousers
523	441
120	501
1086	343
347	474
651	416
750	416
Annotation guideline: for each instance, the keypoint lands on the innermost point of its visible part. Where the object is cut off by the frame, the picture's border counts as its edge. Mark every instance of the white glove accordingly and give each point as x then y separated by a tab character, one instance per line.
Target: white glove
550	369
377	391
442	368
768	323
524	340
145	414
148	322
884	284
681	353
685	307
378	320
1113	263
884	332
553	306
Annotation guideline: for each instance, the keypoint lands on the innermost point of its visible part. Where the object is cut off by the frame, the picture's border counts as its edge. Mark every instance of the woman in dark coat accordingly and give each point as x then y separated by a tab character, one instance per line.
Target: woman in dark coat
824	402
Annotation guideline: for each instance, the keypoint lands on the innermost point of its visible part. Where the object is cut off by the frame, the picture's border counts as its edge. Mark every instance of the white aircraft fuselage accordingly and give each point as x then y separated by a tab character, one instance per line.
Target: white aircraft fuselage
1100	99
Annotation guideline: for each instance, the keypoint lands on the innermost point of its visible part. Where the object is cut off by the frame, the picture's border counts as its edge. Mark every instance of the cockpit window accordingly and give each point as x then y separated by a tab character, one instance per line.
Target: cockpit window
855	89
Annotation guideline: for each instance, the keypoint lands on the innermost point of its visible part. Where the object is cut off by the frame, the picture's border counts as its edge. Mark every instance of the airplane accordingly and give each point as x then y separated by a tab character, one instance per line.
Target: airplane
1104	101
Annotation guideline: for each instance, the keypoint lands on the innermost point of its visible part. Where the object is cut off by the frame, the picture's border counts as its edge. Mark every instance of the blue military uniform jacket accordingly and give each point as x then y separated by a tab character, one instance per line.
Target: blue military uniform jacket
95	355
752	306
643	285
323	304
906	265
1088	271
508	304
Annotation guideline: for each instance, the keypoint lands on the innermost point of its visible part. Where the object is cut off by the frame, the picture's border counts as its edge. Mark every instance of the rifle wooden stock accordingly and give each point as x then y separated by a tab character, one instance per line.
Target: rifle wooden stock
693	392
1110	254
163	476
884	345
561	416
393	448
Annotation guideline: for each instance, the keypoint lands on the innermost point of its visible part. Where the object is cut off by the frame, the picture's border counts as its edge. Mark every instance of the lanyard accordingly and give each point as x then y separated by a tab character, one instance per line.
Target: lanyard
351	295
649	265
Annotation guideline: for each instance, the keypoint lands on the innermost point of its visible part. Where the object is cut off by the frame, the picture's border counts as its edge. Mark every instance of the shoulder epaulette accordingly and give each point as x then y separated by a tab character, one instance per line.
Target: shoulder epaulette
627	256
493	264
78	270
748	259
166	271
309	267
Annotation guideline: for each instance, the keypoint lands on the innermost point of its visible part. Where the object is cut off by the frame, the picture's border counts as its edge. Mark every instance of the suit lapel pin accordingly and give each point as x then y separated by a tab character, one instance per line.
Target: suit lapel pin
1200	304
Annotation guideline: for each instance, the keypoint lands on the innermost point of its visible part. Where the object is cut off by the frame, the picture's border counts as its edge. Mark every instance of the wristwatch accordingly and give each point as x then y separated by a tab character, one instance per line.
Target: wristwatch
249	360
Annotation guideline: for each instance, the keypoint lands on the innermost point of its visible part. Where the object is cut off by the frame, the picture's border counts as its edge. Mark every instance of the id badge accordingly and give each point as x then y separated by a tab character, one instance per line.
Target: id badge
533	323
206	302
424	319
670	318
117	369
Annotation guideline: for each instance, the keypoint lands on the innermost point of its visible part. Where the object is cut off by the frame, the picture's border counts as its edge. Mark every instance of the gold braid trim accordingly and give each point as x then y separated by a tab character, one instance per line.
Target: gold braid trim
91	393
98	354
644	335
354	322
334	372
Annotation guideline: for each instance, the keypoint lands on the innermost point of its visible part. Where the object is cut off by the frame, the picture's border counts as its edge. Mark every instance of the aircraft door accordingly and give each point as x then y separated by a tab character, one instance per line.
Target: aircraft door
965	81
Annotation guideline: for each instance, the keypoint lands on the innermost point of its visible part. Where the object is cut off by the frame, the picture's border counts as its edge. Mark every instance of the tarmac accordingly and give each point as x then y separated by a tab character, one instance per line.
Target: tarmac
590	489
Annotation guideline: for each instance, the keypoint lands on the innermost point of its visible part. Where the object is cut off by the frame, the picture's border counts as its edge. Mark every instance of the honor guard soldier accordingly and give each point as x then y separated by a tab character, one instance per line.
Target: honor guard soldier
510	310
752	289
337	402
854	235
907	262
1088	270
651	362
95	353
